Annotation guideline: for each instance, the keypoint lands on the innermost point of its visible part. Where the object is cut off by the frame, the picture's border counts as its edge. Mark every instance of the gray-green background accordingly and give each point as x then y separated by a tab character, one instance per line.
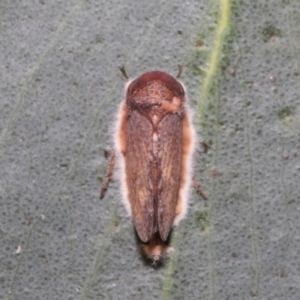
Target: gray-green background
60	89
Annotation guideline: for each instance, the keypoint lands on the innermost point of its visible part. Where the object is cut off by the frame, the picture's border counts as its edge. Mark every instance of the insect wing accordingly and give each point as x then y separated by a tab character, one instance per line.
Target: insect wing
138	170
170	141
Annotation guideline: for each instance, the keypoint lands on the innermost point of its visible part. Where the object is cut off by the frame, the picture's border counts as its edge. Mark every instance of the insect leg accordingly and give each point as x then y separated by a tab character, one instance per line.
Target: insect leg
198	187
109	173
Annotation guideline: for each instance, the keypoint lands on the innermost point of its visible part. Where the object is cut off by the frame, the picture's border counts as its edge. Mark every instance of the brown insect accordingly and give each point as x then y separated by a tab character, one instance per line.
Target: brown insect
154	144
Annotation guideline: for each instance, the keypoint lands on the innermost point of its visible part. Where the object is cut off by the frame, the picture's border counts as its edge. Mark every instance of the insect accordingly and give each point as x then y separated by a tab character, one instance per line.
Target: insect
154	145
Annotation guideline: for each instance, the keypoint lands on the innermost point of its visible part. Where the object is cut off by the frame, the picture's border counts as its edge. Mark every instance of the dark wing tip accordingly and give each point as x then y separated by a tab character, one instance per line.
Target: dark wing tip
143	234
164	233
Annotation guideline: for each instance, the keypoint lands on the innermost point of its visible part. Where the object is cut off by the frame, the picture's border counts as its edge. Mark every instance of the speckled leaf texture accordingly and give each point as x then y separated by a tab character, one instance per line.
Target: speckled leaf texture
60	91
